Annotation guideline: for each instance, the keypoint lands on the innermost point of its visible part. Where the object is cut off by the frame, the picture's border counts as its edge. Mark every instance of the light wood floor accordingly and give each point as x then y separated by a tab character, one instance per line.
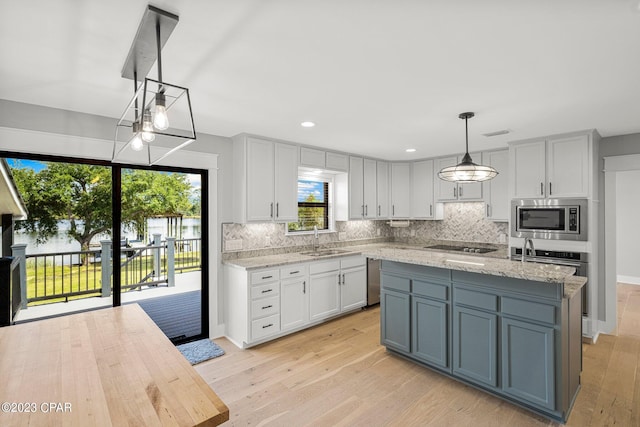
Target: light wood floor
337	374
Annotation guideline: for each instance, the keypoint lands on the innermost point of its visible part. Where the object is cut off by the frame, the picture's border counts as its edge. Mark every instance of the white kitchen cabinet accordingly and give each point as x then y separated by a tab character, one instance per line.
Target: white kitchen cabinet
556	167
422	204
568	167
400	190
369	189
353	290
528	162
356	187
265	181
337	162
294	297
382	190
496	193
447	191
324	289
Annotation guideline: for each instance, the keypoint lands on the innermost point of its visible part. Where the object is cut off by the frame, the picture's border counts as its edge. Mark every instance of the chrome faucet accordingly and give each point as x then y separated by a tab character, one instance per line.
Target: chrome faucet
532	250
316	241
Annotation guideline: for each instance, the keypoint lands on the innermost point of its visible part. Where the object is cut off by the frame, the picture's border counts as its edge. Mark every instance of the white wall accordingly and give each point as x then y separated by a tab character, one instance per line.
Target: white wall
26	128
627	230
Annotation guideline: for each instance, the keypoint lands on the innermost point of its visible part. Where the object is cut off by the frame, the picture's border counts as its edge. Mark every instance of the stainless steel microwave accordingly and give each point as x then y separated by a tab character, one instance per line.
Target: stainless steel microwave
556	219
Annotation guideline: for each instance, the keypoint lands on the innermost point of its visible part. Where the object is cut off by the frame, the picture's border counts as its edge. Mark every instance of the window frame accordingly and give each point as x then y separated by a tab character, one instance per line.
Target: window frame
328	179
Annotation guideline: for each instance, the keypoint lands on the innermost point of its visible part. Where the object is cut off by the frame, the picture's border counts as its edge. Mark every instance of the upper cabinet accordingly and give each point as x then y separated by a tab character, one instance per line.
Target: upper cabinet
370	189
556	167
449	191
265	180
400	190
382	191
356	187
496	193
422	204
313	158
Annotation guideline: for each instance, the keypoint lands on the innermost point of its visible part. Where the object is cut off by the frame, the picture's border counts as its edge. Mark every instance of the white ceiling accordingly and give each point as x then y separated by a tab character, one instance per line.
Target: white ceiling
376	76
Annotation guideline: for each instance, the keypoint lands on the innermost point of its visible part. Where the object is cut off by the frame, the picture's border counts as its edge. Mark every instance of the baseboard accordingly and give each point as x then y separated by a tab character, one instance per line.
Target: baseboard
629	280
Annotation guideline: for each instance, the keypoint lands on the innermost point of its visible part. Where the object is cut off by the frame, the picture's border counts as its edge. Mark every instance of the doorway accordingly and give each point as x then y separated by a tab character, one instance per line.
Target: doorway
160	215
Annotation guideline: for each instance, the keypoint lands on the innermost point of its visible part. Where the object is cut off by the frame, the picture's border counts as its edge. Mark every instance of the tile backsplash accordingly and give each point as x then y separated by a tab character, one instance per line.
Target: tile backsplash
463	222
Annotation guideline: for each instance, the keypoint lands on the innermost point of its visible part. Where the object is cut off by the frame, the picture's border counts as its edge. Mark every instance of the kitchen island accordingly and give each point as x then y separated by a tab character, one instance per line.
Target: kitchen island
509	328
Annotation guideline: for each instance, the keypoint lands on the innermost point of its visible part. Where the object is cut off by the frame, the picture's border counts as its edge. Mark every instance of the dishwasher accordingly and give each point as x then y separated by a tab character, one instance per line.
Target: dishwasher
373	281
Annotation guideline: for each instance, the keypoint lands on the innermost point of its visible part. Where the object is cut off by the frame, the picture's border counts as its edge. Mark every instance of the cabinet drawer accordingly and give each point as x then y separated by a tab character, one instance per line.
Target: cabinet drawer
263	327
476	299
265	290
324	266
529	310
265	307
293	271
394	282
352	261
431	290
264	276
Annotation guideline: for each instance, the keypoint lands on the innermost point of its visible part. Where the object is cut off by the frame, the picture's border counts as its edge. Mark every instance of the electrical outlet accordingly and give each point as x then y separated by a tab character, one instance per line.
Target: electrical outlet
267	241
378	231
233	245
342	235
413	233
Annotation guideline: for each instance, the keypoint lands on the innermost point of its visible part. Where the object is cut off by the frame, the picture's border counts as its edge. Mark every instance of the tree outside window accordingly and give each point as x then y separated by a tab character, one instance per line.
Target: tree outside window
313	206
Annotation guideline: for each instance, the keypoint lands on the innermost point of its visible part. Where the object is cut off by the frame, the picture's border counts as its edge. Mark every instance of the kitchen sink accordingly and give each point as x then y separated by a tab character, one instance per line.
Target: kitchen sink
325	252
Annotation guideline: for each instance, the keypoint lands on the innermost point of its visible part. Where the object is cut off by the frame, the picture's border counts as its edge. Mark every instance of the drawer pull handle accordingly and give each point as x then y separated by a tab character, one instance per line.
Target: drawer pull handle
267	290
267	326
265	307
266	277
294	272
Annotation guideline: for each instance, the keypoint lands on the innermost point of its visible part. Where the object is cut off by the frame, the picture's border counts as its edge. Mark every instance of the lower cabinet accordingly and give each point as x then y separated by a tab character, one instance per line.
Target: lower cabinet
528	368
265	304
395	310
429	326
294	303
514	338
475	345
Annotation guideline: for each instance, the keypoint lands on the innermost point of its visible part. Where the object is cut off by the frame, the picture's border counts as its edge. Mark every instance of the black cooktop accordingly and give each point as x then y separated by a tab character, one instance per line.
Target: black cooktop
468	249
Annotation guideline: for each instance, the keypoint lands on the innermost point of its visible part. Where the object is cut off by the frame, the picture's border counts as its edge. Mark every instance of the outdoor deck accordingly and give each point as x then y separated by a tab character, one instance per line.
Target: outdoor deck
184	282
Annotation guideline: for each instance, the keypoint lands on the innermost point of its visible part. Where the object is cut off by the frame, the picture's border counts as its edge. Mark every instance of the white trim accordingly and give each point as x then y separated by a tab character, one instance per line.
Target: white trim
629	280
612	165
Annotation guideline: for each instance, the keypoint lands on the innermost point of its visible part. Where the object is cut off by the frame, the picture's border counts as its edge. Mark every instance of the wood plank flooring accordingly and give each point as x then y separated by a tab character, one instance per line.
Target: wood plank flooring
337	374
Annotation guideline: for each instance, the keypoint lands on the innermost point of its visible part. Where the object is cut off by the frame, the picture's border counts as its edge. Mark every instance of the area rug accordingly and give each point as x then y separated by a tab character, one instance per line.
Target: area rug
199	351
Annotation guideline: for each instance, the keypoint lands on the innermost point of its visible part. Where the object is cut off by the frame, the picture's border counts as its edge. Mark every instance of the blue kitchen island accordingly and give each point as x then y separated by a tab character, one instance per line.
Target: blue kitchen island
509	328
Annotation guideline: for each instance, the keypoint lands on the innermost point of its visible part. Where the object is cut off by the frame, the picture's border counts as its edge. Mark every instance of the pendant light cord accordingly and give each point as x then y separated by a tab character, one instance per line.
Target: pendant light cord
466	129
159	52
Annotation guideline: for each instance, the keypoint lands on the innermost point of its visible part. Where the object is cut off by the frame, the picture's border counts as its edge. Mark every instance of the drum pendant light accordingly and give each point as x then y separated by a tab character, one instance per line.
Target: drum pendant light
466	171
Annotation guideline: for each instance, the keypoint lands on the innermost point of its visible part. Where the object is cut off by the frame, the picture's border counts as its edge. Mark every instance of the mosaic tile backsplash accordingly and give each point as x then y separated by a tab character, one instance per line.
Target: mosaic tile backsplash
463	222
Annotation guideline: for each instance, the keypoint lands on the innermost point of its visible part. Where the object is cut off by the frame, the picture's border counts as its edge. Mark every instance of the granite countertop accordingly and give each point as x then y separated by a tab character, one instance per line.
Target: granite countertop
494	263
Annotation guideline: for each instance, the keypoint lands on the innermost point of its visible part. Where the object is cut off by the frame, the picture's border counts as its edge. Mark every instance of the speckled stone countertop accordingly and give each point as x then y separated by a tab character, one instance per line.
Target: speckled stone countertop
494	263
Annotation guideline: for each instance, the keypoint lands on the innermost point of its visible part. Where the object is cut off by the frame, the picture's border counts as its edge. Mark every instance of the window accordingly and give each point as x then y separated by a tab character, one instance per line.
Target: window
313	205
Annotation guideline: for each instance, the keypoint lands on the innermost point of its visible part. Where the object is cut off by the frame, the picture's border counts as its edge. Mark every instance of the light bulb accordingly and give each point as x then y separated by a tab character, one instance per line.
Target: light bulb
136	143
147	127
160	119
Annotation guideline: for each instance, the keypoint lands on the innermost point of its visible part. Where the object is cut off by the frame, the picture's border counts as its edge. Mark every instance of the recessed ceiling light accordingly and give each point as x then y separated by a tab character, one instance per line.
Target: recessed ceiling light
307	124
410	150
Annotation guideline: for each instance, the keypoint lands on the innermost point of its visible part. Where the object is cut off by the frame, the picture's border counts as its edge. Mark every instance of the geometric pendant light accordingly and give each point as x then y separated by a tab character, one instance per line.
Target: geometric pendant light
466	171
158	120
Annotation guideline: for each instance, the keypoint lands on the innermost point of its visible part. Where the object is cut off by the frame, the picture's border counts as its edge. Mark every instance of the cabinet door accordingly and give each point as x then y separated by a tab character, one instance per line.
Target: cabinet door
286	183
496	192
528	362
294	303
475	345
369	188
324	295
429	331
353	288
568	167
260	182
422	189
395	320
382	193
356	187
445	190
527	161
400	190
312	157
337	162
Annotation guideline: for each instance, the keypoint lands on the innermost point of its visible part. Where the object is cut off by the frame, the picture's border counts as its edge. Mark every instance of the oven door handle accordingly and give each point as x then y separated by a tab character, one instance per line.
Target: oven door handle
552	261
